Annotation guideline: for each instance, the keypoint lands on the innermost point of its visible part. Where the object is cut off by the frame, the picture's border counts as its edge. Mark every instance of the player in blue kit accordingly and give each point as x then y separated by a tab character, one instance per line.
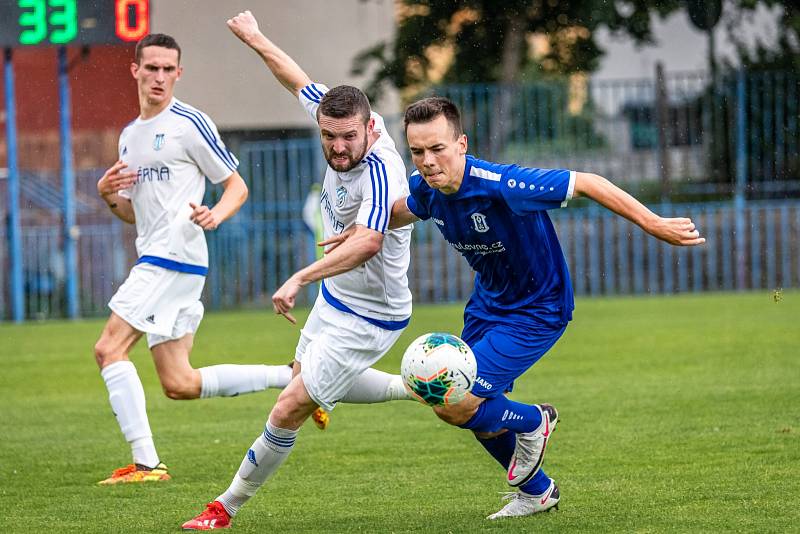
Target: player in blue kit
496	216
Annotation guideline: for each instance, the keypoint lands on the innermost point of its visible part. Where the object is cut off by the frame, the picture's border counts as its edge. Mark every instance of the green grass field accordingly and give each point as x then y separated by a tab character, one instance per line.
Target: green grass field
678	414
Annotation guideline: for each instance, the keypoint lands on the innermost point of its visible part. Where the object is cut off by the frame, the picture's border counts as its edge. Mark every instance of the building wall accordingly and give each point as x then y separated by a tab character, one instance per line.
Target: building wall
103	100
228	81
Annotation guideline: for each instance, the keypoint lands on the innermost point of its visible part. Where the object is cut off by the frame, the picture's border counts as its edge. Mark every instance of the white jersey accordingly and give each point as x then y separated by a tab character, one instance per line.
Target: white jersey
377	290
172	154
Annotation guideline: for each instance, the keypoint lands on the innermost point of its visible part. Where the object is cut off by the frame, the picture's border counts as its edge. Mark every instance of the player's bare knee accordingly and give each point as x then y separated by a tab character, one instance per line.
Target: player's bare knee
105	353
284	413
454	414
180	388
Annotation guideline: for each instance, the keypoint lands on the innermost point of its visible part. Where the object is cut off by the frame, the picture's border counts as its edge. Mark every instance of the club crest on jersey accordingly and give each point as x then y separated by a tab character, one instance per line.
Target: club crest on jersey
158	142
341	196
479	222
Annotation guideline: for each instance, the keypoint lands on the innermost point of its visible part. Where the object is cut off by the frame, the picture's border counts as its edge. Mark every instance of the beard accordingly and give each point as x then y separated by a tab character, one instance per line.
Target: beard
352	158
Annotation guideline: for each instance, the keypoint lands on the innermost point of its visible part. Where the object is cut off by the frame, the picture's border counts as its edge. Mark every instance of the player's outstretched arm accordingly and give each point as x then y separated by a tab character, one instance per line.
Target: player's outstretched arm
286	71
234	194
110	184
401	215
673	230
359	247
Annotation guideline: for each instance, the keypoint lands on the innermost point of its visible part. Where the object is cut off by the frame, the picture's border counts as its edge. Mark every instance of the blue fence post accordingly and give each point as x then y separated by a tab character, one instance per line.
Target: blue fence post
741	177
17	289
70	230
786	273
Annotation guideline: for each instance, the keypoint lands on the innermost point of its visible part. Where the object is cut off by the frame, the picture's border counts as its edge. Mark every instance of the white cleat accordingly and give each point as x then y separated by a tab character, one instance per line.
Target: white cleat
529	451
522	504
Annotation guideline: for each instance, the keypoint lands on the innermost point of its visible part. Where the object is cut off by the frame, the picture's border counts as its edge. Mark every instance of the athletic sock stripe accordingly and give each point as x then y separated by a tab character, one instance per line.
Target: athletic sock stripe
210	133
281	442
278	438
213	145
281	445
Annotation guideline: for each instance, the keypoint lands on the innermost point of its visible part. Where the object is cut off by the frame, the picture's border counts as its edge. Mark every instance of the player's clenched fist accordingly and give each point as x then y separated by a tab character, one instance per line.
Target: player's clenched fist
115	179
677	231
203	217
244	26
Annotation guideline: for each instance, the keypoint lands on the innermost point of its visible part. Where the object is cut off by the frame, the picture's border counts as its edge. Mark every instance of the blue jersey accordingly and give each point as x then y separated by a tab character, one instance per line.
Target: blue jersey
498	221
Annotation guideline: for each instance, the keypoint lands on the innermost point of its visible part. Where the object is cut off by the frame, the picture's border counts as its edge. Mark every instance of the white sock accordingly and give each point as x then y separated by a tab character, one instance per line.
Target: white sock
126	395
229	380
376	386
266	455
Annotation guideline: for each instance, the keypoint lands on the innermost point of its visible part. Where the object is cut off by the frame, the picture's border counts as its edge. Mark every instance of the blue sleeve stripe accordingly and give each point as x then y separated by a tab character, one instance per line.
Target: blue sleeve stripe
372	181
308	92
209	131
214	146
388	208
382	221
308	96
313	88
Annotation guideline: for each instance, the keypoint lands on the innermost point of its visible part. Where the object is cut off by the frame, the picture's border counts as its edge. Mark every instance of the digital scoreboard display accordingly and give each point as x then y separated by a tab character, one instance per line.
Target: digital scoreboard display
26	23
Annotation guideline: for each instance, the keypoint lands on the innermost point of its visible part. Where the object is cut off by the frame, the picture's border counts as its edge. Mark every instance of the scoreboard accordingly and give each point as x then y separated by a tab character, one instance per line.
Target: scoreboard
29	23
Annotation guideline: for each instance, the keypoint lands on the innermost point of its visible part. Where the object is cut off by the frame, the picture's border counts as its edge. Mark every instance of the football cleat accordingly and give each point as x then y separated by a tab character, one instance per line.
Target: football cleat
529	451
321	418
213	517
522	504
137	473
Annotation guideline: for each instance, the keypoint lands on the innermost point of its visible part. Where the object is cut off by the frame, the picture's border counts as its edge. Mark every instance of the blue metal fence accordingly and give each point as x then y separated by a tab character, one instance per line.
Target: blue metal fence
606	255
605	127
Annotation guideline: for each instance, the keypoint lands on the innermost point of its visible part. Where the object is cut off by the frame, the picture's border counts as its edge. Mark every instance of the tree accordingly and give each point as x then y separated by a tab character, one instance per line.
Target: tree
468	41
782	51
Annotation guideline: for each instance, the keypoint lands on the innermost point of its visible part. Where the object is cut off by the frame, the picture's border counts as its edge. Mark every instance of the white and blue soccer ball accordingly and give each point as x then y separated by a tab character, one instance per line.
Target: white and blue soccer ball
438	369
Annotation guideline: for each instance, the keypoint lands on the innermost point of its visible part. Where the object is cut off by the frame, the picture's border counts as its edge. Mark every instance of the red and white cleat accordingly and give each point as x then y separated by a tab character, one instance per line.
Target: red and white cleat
213	517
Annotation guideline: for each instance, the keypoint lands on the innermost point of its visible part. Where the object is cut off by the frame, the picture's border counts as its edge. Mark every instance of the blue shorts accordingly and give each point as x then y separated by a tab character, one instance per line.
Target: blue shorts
504	351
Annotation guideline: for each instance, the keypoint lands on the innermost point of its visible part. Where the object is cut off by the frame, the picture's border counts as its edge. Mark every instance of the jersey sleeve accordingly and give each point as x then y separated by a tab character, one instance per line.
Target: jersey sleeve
310	97
206	149
526	190
386	183
416	198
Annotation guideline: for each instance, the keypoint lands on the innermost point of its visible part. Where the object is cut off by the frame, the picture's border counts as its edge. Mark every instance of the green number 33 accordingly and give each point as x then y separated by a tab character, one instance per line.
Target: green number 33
62	22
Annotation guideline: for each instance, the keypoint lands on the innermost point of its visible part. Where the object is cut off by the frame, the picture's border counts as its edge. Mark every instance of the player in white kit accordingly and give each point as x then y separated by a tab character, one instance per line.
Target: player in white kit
158	183
364	302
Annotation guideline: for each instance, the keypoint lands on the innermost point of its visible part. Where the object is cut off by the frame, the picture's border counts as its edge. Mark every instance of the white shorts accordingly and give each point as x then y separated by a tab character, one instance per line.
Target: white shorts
335	348
165	304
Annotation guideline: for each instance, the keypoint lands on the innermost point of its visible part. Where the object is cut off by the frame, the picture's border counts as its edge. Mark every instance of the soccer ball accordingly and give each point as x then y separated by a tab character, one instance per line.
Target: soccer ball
438	369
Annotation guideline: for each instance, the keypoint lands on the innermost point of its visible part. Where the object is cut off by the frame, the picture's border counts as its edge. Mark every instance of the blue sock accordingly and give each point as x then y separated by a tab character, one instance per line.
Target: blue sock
537	485
502	448
499	412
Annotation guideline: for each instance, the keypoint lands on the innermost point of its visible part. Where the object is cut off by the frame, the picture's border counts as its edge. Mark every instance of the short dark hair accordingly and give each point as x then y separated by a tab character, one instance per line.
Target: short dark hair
429	109
157	39
344	101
